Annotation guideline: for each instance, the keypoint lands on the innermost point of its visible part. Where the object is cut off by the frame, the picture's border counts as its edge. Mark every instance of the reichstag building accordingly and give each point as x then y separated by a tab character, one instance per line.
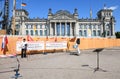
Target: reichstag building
63	23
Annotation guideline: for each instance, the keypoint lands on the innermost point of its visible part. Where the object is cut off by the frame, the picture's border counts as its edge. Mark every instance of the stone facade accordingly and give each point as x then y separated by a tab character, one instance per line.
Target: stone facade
64	23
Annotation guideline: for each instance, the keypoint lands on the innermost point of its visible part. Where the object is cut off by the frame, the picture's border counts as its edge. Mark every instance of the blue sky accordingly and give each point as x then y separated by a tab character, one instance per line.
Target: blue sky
39	8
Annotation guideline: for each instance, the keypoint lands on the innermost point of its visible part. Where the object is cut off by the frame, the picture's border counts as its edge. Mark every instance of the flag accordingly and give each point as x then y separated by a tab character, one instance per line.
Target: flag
23	4
29	38
4	42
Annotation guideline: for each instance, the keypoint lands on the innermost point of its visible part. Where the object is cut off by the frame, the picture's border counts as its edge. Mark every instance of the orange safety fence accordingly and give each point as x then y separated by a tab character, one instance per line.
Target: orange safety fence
85	43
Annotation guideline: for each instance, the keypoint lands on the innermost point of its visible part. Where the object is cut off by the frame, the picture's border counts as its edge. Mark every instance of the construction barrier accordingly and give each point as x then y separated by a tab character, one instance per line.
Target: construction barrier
37	44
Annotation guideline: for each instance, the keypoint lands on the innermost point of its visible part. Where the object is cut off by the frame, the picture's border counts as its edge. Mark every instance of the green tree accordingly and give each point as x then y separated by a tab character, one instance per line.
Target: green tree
117	34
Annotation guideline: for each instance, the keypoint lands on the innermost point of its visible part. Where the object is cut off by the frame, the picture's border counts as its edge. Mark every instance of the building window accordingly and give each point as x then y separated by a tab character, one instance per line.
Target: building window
90	27
80	26
98	32
85	32
104	14
27	32
109	14
29	26
31	32
108	33
43	26
16	32
26	26
58	29
0	27
38	26
80	33
41	33
36	32
32	26
94	27
63	29
107	26
85	27
94	33
17	26
99	27
45	31
68	30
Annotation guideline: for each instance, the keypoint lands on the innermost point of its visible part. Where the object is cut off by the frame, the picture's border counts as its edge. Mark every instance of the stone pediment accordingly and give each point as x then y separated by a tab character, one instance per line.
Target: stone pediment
62	17
63	14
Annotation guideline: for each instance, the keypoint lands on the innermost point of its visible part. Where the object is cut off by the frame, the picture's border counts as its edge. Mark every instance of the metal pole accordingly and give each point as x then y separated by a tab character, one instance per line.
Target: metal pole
97	60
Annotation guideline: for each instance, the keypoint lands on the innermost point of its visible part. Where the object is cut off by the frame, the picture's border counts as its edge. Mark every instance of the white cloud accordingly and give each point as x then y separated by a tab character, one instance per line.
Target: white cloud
113	7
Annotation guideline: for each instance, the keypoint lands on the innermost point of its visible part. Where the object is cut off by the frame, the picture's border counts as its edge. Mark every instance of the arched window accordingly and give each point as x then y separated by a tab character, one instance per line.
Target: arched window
94	32
80	33
27	32
29	26
85	32
31	32
45	31
80	26
108	33
107	26
98	33
17	26
90	27
41	33
36	32
32	26
94	26
85	26
38	26
99	27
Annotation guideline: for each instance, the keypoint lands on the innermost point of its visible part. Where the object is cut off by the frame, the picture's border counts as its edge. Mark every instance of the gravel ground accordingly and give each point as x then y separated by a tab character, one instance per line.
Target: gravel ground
64	65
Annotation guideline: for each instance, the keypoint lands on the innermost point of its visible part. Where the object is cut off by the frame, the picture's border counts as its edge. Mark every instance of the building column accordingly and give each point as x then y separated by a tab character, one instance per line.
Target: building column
91	30
96	30
47	29
101	29
71	34
110	30
23	29
113	30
